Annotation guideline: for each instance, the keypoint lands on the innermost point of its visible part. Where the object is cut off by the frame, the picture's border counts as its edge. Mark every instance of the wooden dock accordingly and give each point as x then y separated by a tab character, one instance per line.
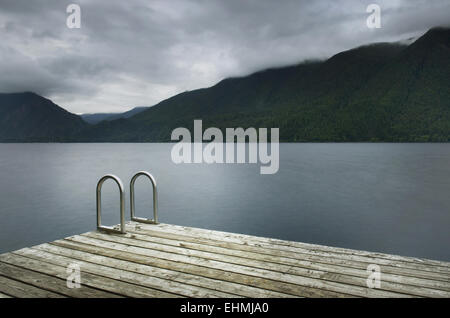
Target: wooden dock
174	261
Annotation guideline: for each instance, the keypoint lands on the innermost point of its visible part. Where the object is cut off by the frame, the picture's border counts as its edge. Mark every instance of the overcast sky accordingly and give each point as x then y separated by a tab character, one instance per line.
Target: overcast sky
134	53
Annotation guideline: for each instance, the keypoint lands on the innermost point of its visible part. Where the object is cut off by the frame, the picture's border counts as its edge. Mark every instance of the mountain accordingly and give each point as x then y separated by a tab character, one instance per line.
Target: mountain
30	117
378	92
99	117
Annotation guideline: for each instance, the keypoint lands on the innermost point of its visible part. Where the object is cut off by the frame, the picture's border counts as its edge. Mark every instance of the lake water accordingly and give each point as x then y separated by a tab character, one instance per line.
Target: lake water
392	198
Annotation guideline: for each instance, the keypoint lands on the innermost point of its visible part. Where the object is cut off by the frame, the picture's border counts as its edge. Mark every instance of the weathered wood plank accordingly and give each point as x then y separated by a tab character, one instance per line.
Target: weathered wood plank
263	283
408	285
211	285
260	254
274	267
445	266
105	240
4	296
109	287
174	261
123	274
19	289
334	253
415	270
38	280
49	277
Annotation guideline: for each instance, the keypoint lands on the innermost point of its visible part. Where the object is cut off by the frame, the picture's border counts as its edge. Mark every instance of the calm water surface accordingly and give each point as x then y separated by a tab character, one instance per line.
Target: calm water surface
392	198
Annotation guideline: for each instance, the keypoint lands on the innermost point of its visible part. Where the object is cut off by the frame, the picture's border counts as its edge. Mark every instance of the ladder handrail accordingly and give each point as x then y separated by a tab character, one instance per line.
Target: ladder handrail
99	205
155	199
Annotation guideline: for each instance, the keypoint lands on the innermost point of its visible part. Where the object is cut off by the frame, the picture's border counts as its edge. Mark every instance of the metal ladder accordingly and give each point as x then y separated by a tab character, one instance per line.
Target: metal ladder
111	229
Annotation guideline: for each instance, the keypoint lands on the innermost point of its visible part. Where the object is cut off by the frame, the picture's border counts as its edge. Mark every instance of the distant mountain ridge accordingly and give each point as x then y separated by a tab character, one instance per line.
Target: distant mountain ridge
95	118
379	92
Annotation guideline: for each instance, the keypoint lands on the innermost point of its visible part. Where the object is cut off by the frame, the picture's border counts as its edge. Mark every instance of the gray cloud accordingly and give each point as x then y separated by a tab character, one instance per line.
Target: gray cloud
130	53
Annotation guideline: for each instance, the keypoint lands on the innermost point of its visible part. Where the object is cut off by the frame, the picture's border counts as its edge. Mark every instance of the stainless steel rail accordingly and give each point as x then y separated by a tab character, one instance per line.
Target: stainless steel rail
99	205
155	199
